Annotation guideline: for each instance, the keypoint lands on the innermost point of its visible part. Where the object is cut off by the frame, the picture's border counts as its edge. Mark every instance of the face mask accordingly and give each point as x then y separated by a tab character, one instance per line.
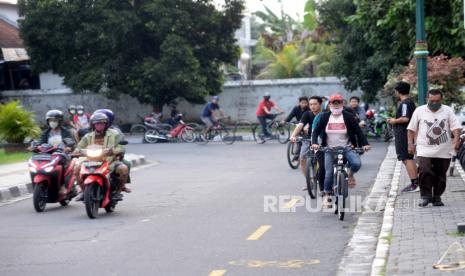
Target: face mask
99	127
80	112
53	125
72	111
336	111
434	106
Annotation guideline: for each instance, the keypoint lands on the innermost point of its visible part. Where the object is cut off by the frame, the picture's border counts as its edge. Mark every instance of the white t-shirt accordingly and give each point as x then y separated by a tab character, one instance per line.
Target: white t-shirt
54	138
434	129
83	120
336	131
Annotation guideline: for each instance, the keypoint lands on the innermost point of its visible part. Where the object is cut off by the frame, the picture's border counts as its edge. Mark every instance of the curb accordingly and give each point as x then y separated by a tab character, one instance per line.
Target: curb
21	190
361	251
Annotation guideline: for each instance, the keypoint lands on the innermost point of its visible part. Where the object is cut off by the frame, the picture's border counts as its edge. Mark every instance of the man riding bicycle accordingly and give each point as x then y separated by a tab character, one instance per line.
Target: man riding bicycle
298	110
306	125
338	128
208	114
264	113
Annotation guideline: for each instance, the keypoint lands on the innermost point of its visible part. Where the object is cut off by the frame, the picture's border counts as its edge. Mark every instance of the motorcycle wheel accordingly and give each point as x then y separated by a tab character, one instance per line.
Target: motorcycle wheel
39	197
148	134
91	200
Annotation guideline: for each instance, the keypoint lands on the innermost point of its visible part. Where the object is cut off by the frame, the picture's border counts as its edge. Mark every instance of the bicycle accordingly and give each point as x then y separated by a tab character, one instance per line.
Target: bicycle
227	134
277	129
311	170
341	174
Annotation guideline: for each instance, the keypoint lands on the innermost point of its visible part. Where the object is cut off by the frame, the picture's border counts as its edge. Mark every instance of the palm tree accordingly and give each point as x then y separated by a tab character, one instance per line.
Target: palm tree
288	63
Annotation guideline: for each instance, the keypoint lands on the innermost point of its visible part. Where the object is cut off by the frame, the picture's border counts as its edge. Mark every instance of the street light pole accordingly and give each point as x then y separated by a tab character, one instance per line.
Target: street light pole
421	52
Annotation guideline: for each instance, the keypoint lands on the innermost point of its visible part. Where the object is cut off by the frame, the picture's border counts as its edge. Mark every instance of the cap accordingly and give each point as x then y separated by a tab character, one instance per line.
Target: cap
336	97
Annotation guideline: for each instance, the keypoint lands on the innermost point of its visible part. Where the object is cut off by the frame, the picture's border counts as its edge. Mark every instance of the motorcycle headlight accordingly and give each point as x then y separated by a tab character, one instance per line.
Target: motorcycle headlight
340	156
94	152
48	169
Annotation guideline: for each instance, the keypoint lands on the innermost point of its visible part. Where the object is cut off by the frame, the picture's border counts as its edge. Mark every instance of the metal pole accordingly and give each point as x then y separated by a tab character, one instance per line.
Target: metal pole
421	52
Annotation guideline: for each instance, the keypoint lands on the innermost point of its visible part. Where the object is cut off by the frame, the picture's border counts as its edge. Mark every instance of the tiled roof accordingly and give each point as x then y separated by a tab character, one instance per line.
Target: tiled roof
9	36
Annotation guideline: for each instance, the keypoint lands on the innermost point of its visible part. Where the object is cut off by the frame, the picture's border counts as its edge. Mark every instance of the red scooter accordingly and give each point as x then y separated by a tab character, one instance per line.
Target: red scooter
50	168
99	188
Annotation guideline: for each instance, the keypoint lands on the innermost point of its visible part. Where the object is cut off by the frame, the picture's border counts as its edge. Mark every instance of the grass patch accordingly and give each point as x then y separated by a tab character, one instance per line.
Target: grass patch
13	158
456	234
388	238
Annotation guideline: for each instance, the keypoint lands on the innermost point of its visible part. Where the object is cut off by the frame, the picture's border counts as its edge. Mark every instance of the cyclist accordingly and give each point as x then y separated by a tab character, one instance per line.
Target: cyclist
338	129
264	112
308	121
298	110
208	114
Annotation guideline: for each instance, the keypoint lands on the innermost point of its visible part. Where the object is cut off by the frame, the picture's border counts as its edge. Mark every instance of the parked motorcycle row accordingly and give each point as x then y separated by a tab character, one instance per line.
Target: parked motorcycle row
154	130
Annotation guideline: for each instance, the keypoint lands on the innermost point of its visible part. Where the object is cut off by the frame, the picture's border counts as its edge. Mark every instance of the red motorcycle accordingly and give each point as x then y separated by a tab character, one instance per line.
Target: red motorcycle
50	168
100	189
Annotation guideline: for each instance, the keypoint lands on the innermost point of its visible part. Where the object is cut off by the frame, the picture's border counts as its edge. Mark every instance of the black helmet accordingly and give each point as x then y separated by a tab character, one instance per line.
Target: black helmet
99	118
54	114
267	96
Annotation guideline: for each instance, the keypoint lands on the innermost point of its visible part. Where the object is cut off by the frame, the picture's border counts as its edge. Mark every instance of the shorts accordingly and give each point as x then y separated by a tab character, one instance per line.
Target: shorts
401	143
207	121
304	150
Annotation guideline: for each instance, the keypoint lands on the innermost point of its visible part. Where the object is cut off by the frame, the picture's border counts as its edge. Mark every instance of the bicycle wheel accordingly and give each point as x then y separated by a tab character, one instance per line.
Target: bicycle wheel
342	194
137	129
257	132
282	132
227	134
310	177
200	138
292	156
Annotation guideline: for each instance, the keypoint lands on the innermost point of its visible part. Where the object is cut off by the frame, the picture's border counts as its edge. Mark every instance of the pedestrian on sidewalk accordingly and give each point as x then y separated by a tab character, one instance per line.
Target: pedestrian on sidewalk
399	124
432	125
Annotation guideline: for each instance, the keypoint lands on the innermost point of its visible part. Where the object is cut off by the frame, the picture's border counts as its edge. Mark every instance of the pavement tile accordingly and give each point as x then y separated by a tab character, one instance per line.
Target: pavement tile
421	235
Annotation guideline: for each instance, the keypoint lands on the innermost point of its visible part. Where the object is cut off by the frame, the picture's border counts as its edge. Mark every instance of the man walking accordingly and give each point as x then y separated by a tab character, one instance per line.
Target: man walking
400	123
432	124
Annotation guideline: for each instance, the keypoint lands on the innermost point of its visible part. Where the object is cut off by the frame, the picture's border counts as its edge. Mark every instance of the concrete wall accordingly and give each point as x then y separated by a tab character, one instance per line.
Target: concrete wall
239	99
51	81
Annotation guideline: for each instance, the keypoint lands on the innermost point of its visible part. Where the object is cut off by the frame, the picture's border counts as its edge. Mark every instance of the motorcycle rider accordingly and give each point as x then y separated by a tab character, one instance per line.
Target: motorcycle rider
81	121
56	134
102	135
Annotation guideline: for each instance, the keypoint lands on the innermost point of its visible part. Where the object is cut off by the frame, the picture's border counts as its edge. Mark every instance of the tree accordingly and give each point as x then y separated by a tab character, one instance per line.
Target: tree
445	73
376	37
155	50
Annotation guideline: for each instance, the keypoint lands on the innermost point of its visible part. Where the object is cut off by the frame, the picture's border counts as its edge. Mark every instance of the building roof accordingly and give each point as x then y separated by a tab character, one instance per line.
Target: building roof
9	36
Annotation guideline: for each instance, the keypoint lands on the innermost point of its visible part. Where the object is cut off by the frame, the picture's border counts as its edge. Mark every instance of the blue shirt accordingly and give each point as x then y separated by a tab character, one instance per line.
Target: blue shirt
209	108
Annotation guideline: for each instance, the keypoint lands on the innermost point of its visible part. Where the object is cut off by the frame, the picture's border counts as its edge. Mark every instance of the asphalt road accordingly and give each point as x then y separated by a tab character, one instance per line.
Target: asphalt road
200	211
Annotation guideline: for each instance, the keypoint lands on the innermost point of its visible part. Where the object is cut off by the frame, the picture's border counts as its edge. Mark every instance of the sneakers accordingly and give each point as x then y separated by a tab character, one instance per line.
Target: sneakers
411	188
424	201
437	201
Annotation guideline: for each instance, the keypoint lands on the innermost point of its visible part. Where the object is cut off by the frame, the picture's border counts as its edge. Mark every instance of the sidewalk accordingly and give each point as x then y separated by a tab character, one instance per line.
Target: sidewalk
420	236
15	180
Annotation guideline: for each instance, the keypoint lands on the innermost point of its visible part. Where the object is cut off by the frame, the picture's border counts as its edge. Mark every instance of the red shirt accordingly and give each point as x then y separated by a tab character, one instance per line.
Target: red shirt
261	111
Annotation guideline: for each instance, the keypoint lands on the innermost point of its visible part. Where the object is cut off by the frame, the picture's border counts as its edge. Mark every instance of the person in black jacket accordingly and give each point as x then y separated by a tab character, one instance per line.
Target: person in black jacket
299	110
338	128
56	133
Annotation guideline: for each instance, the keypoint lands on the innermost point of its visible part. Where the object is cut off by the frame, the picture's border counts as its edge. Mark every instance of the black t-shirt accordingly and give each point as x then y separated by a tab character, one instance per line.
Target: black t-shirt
307	119
296	112
405	109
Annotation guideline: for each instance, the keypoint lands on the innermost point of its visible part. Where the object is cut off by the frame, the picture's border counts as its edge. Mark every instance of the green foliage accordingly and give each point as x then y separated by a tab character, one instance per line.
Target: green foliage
16	124
375	37
310	21
13	157
289	63
155	50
